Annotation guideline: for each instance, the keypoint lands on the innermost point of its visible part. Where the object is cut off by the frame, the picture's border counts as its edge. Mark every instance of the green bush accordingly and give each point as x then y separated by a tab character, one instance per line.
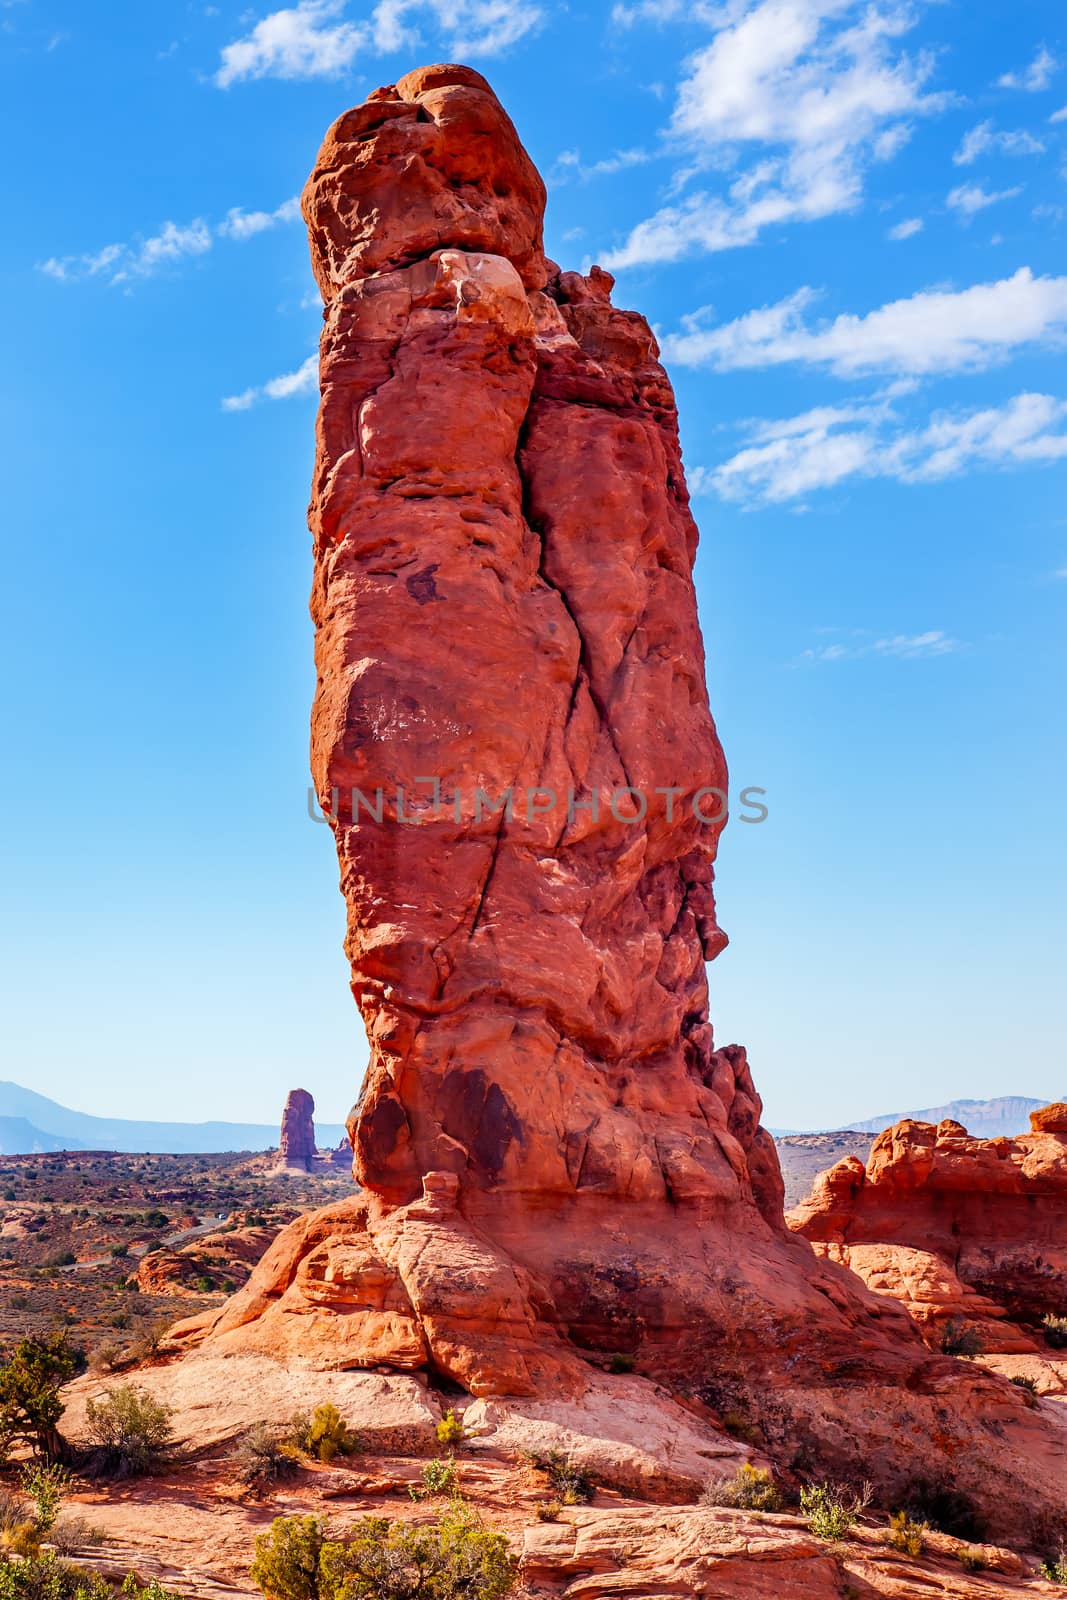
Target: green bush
750	1489
323	1435
548	1510
458	1556
907	1536
288	1562
129	1430
45	1487
1055	1331
454	1558
573	1486
1055	1568
438	1478
48	1577
832	1509
450	1429
30	1407
960	1339
621	1362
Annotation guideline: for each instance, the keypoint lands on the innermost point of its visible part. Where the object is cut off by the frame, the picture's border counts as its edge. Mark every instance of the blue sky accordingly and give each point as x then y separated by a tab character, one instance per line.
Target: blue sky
847	223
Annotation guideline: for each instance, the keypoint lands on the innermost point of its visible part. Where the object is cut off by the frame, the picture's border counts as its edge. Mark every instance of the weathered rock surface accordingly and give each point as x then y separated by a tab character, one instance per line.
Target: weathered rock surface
227	1258
558	1166
296	1147
973	1230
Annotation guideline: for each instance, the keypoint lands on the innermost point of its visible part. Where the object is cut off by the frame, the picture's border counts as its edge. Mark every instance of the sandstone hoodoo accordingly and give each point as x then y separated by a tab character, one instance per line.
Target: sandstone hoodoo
511	737
296	1147
957	1229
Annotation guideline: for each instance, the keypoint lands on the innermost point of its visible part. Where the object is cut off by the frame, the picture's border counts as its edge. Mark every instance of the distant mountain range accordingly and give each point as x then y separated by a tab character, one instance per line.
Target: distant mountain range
984	1119
30	1122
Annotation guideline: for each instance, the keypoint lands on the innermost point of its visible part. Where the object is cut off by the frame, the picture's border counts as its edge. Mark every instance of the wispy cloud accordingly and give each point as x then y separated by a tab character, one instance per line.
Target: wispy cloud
1060	115
936	330
569	163
1037	76
304	380
898	646
820	449
144	256
984	138
816	89
906	229
317	39
970	198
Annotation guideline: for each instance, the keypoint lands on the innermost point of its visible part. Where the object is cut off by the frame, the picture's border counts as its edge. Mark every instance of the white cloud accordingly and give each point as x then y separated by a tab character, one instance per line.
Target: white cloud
1060	115
817	89
143	257
241	224
900	646
970	198
906	229
936	330
1037	76
305	380
300	41
570	161
823	448
314	39
1008	141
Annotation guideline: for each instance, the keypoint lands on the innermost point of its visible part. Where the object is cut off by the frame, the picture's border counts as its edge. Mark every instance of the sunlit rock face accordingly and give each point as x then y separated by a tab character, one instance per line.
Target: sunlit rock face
512	740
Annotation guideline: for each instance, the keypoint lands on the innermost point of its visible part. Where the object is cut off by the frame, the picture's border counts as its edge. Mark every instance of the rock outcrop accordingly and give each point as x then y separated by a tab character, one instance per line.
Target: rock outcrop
296	1147
512	741
957	1229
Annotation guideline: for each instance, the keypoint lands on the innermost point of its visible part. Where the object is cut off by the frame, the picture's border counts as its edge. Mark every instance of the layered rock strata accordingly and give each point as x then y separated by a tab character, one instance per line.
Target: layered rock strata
296	1146
972	1231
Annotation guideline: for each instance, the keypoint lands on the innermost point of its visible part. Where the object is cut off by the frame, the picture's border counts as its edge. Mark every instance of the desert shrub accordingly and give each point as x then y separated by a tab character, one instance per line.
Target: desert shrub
324	1434
204	1284
71	1534
960	1339
1055	1331
107	1357
264	1456
905	1535
129	1430
438	1478
30	1407
833	1508
972	1558
1022	1382
750	1489
119	1250
621	1362
548	1510
457	1556
147	1343
288	1561
573	1486
47	1577
1055	1568
45	1487
450	1430
942	1507
61	1258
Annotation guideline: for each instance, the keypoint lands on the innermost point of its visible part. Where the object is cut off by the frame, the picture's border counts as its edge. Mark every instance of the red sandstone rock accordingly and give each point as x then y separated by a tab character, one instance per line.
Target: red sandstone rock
296	1148
557	1163
954	1227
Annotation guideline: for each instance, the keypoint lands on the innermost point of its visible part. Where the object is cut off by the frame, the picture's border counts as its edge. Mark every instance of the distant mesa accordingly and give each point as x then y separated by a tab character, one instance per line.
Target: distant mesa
1008	1115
